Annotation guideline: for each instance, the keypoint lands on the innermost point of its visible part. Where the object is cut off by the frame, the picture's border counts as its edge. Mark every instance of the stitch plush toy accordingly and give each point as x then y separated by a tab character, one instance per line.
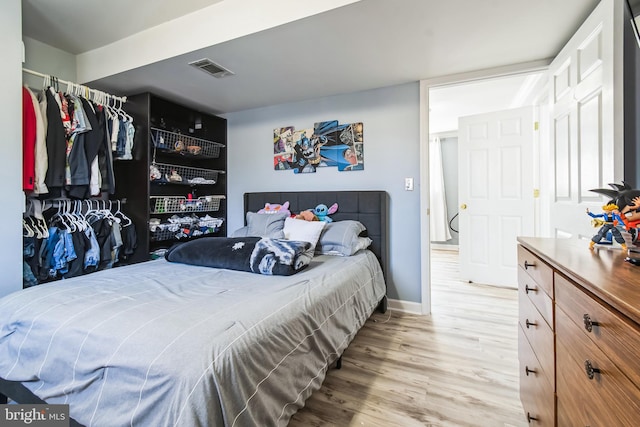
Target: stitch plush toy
323	212
271	208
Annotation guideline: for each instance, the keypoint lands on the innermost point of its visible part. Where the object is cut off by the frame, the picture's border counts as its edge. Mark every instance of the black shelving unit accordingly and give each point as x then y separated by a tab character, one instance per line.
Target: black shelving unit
176	185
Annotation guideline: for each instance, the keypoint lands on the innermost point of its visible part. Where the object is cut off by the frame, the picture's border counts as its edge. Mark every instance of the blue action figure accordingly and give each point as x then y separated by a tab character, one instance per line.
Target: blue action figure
609	216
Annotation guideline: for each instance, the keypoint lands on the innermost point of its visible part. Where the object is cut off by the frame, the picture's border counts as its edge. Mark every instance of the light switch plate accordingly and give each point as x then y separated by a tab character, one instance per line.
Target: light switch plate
408	184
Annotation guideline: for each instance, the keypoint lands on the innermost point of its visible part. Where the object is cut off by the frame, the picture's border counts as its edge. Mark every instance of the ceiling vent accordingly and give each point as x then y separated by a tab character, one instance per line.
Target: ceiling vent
208	66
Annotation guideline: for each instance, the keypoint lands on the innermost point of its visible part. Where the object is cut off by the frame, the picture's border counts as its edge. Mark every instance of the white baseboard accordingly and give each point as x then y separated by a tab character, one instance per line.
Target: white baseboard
444	247
404	306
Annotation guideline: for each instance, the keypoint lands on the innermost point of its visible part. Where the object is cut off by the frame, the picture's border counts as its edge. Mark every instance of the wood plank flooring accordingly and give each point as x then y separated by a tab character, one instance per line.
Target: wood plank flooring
457	367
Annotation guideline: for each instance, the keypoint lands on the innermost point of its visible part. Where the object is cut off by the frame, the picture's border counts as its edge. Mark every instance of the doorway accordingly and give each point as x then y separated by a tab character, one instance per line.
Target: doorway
447	102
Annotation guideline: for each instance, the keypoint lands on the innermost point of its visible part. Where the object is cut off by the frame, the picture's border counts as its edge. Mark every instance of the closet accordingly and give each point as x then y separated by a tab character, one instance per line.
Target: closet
175	186
72	223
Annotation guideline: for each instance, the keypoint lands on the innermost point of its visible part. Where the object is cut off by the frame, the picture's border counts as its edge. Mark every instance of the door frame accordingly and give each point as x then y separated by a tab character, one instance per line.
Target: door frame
425	85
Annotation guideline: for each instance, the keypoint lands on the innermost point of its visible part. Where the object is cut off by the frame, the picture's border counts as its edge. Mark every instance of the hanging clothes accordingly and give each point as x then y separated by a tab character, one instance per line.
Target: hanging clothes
28	256
77	174
74	244
56	145
129	242
105	155
40	151
29	138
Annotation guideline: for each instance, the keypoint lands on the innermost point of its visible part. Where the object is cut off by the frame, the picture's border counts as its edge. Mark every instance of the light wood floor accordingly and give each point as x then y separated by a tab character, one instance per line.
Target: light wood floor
457	367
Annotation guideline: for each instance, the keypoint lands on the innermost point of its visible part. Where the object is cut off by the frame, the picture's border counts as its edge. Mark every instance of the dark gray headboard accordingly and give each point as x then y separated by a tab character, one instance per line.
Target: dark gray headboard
368	207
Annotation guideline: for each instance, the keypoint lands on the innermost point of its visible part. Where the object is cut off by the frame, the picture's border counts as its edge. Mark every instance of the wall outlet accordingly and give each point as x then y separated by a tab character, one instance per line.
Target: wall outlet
408	184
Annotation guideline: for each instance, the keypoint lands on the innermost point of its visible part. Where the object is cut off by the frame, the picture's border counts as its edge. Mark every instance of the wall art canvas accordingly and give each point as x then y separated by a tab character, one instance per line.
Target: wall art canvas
327	144
305	157
283	147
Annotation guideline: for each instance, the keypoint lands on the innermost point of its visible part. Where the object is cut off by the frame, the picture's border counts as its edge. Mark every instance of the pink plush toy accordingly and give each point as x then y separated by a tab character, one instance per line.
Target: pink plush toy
271	208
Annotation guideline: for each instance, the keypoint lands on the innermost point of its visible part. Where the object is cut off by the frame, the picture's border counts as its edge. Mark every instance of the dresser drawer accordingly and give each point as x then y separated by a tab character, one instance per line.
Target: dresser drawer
616	337
539	335
536	393
536	294
604	398
540	272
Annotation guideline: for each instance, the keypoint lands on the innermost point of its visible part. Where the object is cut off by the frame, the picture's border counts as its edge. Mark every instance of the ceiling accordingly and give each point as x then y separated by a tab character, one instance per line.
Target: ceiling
48	20
364	45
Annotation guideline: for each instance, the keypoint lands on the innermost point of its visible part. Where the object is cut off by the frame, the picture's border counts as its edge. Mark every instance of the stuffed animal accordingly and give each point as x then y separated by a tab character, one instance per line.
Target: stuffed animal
323	212
271	208
307	215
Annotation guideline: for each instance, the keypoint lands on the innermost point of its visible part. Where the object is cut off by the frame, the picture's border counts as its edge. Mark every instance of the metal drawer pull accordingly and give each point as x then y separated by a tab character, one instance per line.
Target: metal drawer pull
527	289
529	371
588	323
590	370
527	265
530	418
526	322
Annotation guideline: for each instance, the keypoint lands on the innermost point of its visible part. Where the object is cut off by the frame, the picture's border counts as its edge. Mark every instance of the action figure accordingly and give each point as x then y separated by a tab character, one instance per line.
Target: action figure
609	218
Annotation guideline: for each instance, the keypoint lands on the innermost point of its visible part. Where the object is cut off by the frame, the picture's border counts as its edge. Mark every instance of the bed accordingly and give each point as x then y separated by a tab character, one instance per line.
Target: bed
169	344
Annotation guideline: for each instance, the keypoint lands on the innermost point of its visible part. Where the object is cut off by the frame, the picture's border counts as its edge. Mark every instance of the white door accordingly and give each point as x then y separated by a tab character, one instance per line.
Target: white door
495	161
586	136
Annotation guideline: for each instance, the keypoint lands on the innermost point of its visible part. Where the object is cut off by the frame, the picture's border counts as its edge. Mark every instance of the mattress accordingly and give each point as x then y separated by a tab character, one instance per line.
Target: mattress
165	344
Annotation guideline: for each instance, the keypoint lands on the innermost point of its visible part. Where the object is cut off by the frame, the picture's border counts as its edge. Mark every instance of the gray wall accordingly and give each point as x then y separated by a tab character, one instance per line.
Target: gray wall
391	153
11	147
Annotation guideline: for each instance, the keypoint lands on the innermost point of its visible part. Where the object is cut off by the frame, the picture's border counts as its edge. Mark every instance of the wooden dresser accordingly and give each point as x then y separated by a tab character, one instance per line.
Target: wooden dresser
579	334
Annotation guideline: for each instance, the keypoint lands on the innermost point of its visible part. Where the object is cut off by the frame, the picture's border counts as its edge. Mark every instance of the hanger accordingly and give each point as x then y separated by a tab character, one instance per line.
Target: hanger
121	113
27	231
71	220
35	219
39	227
125	218
76	216
59	218
110	107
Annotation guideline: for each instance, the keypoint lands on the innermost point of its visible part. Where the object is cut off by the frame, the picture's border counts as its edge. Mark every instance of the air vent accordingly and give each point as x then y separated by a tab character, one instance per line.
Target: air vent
208	66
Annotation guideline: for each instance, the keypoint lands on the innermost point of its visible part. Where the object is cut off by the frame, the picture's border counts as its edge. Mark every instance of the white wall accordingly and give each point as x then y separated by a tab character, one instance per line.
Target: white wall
449	150
47	60
391	153
11	147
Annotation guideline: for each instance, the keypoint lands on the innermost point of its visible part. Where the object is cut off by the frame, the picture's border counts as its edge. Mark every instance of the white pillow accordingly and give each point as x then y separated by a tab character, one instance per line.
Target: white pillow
301	230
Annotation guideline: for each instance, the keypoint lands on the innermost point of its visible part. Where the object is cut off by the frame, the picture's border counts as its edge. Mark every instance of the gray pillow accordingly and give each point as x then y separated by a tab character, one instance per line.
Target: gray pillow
342	238
264	225
241	232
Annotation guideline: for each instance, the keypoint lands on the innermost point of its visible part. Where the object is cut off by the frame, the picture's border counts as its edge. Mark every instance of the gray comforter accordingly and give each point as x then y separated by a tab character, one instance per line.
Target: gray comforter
163	344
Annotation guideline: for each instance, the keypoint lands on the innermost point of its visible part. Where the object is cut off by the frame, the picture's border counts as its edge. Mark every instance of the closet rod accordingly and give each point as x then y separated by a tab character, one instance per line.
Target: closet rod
122	99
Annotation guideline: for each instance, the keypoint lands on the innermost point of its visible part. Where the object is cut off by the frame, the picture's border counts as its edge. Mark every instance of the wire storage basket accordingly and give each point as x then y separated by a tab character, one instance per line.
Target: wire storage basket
184	144
177	204
182	227
162	173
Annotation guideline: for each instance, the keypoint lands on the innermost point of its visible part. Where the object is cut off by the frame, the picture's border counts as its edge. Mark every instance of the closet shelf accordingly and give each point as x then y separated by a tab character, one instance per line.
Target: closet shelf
163	173
185	145
178	204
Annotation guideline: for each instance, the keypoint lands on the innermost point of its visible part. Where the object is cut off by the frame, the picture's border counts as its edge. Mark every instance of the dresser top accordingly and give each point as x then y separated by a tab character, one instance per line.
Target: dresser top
601	271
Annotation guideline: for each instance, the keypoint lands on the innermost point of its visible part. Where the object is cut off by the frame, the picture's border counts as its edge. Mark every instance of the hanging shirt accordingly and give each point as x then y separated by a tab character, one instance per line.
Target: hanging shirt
29	136
56	146
40	152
